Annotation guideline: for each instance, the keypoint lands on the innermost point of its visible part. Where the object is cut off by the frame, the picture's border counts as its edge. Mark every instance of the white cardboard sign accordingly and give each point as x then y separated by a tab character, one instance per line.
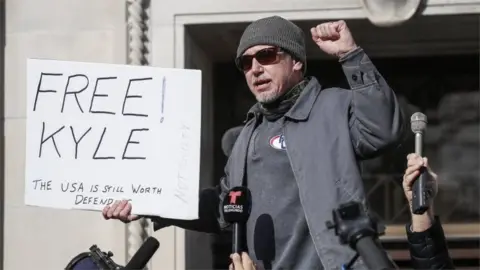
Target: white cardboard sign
97	133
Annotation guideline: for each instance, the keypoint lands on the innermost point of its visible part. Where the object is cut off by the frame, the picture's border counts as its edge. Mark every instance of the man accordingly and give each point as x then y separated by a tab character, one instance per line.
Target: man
428	247
299	149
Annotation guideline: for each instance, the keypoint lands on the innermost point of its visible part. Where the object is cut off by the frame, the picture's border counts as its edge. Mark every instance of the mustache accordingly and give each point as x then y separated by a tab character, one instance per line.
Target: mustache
261	80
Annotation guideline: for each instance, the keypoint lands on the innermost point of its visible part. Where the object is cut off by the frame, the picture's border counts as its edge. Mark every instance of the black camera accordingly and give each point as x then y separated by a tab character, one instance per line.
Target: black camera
355	227
95	259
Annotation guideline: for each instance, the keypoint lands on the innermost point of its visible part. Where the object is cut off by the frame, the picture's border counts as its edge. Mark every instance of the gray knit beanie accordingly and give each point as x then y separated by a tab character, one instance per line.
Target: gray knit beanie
274	31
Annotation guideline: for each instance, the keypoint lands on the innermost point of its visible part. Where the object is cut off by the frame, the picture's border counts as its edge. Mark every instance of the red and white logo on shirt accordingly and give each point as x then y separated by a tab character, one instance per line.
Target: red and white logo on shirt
278	142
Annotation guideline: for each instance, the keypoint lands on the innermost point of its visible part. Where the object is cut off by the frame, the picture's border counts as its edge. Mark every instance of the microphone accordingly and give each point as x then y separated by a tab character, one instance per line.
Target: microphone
229	138
264	240
420	196
355	227
236	210
143	254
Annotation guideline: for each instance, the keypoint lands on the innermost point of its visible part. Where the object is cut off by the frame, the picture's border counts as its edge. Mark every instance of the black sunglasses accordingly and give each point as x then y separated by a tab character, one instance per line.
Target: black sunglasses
265	56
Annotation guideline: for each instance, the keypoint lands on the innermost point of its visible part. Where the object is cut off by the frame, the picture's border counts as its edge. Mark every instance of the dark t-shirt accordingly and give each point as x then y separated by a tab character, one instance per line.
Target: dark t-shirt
277	233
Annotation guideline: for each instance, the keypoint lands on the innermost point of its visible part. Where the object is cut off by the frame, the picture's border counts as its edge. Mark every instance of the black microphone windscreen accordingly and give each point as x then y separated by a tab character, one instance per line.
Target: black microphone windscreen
264	240
143	254
229	138
237	205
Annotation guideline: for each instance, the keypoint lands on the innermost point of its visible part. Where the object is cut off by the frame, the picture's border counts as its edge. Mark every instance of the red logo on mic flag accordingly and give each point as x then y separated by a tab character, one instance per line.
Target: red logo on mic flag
233	196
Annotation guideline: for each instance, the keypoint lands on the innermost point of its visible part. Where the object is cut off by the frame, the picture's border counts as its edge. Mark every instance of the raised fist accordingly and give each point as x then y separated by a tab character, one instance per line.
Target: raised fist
334	38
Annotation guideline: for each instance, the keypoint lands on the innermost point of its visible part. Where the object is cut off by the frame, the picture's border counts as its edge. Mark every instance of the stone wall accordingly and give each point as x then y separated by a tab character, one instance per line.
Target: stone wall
86	30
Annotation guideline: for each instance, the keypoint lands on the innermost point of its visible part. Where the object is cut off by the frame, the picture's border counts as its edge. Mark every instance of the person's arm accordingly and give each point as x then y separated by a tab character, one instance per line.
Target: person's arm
426	239
376	121
427	244
210	217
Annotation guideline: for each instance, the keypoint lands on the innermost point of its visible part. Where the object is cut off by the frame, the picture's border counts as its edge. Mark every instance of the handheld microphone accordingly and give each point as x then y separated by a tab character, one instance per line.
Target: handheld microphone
236	210
356	228
264	240
229	138
420	196
143	254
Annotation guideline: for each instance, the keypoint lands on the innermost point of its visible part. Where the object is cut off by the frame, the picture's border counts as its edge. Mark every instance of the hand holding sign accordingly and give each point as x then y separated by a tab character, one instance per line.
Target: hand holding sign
97	133
121	210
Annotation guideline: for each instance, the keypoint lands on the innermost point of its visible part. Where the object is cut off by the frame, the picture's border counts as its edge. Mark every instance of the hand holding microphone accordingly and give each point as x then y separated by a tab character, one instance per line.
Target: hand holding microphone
415	165
236	210
420	193
243	262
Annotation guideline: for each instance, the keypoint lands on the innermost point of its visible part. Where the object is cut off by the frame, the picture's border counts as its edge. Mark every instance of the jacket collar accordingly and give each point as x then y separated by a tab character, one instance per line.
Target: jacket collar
302	108
252	112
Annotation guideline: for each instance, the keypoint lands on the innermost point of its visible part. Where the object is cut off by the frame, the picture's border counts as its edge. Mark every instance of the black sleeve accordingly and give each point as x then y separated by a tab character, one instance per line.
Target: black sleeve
428	249
208	214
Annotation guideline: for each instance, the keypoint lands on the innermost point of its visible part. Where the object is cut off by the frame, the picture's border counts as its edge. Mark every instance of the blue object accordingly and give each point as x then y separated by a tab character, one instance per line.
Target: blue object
86	264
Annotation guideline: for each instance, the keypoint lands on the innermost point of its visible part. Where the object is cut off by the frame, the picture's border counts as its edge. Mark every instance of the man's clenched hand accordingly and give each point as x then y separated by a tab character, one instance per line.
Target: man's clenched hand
334	38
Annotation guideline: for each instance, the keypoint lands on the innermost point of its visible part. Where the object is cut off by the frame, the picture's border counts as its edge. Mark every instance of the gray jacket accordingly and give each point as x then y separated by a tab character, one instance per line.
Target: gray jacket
326	132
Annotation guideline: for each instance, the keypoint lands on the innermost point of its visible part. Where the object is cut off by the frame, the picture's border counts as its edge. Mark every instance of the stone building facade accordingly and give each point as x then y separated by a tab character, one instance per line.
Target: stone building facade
203	35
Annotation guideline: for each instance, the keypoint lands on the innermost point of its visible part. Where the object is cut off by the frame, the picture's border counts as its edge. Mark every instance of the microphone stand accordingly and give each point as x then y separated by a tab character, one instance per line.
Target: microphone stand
356	228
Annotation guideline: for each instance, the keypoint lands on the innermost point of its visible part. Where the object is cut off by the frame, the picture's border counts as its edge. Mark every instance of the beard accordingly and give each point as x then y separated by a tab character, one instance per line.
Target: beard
267	96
